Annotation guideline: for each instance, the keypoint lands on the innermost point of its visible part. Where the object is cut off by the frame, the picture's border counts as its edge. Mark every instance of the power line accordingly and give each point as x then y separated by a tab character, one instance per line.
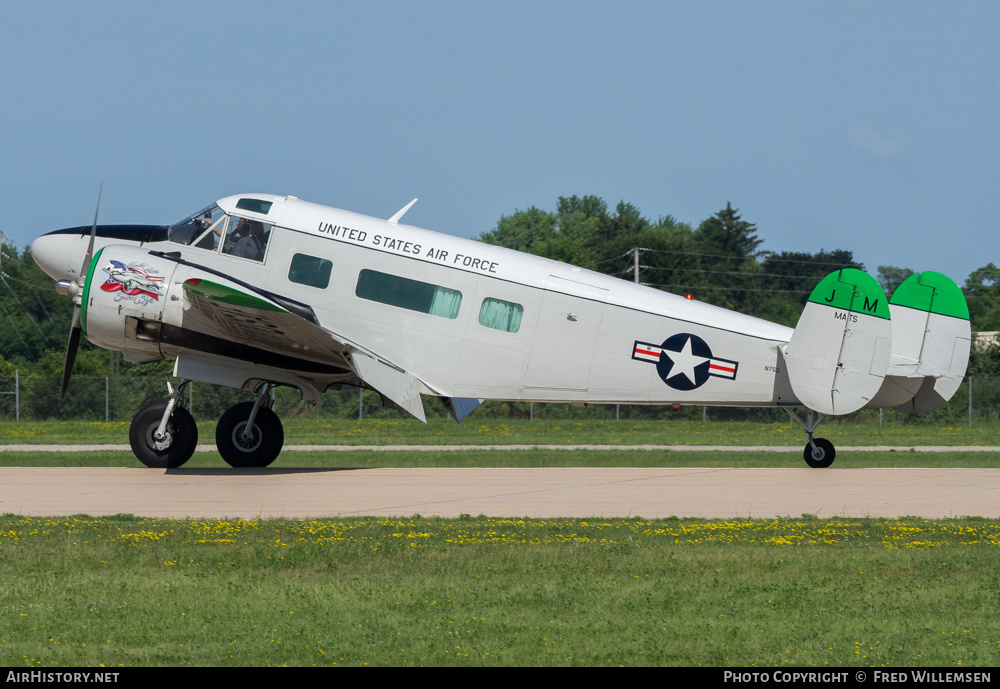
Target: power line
24	282
24	310
11	321
736	272
718	272
770	257
698	288
18	300
607	260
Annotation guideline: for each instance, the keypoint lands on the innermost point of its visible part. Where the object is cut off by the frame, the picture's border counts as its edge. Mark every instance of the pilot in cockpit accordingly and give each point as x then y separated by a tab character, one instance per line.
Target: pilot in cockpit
252	241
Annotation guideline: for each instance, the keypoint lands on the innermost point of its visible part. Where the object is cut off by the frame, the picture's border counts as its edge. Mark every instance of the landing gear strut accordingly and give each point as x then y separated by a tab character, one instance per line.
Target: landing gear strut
819	453
250	434
163	435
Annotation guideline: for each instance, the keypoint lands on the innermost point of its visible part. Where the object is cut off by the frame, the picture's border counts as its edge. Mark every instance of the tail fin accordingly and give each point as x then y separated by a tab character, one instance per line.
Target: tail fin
931	339
839	352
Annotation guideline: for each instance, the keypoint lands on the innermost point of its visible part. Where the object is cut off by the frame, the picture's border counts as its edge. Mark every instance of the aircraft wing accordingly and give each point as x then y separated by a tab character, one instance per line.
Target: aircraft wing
238	315
290	331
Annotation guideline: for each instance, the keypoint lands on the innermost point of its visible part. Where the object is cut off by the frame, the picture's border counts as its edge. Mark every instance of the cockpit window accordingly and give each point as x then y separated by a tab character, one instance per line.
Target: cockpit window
247	238
254	206
203	229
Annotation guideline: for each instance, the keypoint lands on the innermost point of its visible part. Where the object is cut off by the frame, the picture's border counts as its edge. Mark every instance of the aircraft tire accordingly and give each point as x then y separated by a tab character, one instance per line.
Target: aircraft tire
181	427
264	443
822	457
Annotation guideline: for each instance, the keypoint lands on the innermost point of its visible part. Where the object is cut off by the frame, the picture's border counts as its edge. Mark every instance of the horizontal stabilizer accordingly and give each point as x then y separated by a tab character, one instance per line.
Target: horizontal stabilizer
931	340
895	390
839	352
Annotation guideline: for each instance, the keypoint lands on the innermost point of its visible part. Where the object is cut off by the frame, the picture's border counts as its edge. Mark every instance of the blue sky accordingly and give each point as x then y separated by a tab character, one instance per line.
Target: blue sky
861	125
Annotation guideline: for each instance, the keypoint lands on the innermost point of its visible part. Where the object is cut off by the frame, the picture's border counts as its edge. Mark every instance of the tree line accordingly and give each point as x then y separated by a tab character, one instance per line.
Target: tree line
721	261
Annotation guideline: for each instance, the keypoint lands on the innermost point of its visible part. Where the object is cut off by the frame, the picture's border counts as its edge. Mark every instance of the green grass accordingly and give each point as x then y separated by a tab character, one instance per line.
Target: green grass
491	431
479	591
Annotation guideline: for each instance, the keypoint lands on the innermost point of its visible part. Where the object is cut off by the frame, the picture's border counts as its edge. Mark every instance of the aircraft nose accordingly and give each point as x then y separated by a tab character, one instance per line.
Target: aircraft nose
61	253
52	253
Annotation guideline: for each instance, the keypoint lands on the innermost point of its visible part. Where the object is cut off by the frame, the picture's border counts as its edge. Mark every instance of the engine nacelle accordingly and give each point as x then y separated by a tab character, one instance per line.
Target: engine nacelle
126	295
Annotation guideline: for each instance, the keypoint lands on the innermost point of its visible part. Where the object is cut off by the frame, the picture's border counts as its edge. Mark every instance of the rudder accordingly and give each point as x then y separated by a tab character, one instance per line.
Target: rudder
839	352
931	339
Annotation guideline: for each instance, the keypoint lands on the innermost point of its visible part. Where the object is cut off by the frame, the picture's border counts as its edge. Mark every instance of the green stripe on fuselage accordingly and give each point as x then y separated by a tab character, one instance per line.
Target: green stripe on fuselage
852	290
86	290
933	292
228	295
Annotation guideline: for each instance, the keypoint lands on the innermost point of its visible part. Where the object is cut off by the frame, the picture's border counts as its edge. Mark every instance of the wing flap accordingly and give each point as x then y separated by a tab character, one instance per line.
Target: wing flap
399	386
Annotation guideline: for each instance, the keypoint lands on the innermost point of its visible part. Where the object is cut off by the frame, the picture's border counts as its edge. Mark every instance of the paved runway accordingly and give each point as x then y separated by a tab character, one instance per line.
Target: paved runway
546	492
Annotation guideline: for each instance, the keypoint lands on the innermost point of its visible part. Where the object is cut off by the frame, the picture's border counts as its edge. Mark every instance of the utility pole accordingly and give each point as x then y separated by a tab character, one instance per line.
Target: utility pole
635	263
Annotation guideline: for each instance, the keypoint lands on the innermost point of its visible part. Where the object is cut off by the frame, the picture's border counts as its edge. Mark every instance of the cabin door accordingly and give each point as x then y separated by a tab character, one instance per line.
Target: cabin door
563	346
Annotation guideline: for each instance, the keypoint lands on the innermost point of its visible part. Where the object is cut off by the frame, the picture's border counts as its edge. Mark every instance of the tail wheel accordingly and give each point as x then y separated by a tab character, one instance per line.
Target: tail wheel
177	445
256	447
821	456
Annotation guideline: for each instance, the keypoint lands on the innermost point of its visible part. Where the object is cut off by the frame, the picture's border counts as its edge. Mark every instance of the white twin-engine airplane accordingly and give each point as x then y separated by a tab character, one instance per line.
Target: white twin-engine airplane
259	290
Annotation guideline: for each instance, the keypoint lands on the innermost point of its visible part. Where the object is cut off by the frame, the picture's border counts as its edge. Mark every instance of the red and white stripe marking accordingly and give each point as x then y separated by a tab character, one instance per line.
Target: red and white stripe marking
721	368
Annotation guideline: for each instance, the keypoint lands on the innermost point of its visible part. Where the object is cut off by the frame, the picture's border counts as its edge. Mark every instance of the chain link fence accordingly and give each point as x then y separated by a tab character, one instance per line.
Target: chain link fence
118	398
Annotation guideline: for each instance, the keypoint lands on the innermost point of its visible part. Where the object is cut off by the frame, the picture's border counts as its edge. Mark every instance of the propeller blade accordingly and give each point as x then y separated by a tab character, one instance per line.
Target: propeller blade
71	347
93	233
75	329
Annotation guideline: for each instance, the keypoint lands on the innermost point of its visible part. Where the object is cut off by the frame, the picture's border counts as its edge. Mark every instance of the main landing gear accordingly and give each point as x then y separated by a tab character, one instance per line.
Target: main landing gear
164	435
819	453
250	434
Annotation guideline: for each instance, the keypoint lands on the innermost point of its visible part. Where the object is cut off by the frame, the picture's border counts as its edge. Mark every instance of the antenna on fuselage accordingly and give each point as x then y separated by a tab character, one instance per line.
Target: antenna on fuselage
401	212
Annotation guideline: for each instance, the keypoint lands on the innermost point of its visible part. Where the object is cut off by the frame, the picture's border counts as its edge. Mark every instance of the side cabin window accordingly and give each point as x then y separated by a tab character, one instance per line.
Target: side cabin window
247	238
310	270
203	229
501	315
408	294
